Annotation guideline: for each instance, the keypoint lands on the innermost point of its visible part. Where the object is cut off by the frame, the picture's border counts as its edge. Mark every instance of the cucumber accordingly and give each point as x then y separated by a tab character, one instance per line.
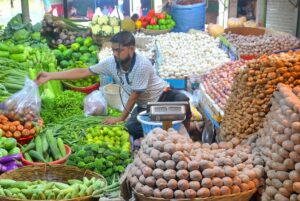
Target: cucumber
45	144
39	145
36	155
7	182
53	145
30	146
61	147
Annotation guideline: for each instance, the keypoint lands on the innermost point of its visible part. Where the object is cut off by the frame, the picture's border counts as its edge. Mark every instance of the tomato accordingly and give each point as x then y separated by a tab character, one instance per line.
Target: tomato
144	24
148	18
153	21
161	16
142	18
151	13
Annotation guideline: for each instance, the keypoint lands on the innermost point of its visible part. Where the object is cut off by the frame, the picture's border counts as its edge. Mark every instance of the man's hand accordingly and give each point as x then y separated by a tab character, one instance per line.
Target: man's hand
43	77
110	121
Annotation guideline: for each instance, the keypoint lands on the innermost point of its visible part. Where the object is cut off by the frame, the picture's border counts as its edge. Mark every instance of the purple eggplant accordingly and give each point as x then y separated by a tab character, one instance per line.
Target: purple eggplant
13	157
11	165
3	168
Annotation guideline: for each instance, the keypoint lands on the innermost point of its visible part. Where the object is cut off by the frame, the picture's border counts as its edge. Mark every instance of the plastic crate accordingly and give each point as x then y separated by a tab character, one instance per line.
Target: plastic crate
177	83
149	125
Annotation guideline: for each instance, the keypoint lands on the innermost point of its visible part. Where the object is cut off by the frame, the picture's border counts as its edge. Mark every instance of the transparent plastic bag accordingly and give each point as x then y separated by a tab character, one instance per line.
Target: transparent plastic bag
95	104
25	105
209	132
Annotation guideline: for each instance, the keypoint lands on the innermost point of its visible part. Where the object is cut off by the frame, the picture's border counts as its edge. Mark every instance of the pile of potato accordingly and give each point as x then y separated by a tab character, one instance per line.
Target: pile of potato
265	44
252	90
169	165
218	82
279	146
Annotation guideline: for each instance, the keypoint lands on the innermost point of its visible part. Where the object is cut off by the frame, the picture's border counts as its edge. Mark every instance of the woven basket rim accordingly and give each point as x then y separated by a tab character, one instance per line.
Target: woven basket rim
252	191
154	32
81	88
44	167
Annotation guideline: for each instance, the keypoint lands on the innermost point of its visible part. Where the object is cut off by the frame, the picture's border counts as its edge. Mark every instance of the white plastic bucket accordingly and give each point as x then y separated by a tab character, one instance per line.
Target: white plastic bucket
112	95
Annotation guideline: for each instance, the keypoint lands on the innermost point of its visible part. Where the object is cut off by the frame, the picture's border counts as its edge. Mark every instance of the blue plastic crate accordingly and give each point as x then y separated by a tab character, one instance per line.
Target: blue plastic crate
177	83
149	125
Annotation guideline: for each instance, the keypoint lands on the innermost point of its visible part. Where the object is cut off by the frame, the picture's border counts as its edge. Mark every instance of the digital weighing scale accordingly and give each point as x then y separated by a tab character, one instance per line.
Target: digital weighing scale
167	112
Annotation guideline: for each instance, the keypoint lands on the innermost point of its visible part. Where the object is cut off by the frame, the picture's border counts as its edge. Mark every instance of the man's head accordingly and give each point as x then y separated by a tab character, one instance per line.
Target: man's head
123	46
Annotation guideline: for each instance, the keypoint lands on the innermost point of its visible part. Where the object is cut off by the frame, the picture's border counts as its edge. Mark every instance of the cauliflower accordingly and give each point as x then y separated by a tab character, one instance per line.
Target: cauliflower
95	19
113	21
96	29
106	30
116	29
103	20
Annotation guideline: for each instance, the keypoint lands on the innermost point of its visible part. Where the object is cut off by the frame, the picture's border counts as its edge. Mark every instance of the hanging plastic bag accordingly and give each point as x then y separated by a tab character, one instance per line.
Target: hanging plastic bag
25	105
95	104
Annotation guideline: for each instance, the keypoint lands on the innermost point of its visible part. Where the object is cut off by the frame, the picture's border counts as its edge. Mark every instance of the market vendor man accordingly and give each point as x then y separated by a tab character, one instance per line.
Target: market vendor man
134	73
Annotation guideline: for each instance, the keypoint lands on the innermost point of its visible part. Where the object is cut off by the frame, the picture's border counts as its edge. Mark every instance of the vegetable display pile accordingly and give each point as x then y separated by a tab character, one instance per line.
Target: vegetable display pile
169	165
188	54
61	31
218	82
10	154
48	190
114	136
66	104
265	44
100	158
45	148
279	145
17	129
105	25
252	90
156	21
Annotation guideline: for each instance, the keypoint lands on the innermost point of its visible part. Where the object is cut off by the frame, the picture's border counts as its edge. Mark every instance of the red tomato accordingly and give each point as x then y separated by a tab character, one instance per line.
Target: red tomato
153	21
142	18
151	13
161	16
148	18
144	24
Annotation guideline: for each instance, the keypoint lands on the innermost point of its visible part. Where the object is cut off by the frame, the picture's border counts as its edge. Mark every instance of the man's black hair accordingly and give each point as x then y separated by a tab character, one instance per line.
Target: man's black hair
135	17
124	38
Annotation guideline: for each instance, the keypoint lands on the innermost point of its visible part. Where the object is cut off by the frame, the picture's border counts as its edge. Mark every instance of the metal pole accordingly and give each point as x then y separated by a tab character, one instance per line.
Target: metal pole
25	11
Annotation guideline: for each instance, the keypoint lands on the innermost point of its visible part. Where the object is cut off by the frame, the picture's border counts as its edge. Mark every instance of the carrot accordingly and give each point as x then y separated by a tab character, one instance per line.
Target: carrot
17	134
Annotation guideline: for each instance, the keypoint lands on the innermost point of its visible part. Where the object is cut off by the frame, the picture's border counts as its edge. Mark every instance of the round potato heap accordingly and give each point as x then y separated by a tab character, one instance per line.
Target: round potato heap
251	93
169	165
279	145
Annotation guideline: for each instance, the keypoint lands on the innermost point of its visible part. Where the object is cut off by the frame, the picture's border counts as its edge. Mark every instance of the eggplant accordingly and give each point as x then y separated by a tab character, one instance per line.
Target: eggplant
3	168
13	157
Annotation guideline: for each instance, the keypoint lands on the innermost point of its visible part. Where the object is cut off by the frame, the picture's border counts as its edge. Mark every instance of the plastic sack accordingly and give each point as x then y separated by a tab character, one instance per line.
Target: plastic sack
25	105
95	104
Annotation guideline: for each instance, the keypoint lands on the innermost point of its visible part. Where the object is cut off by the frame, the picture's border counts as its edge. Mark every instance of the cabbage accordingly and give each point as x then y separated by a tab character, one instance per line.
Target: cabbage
113	21
107	30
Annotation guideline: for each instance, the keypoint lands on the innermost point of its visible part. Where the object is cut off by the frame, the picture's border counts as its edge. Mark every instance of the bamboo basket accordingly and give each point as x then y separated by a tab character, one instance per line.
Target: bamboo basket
60	173
244	196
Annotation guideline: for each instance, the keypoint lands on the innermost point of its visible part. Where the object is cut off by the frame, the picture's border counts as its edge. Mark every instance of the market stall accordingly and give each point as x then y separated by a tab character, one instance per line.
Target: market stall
242	141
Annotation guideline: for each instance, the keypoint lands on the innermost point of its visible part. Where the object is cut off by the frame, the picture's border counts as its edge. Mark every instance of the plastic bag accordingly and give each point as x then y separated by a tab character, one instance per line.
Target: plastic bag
209	132
25	105
95	104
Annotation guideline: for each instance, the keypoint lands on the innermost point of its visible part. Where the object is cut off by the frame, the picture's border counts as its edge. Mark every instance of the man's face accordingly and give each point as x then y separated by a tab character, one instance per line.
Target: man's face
121	53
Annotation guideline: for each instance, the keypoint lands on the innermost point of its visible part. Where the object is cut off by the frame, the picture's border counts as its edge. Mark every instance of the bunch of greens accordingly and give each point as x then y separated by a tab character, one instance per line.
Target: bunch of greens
66	104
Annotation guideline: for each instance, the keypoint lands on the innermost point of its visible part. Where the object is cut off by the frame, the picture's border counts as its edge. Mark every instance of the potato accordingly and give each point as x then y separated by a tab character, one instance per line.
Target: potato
282	176
216	181
138	187
271	191
279	197
169	174
164	156
181	165
206	182
208	173
161	164
215	191
158	173
190	194
147	191
178	156
219	172
183	184
161	183
195	175
133	181
172	184
227	181
294	156
179	194
288	145
182	174
150	181
193	165
157	193
294	176
289	163
167	193
284	192
295	138
203	193
195	185
170	164
244	187
142	179
225	190
288	185
235	189
277	183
